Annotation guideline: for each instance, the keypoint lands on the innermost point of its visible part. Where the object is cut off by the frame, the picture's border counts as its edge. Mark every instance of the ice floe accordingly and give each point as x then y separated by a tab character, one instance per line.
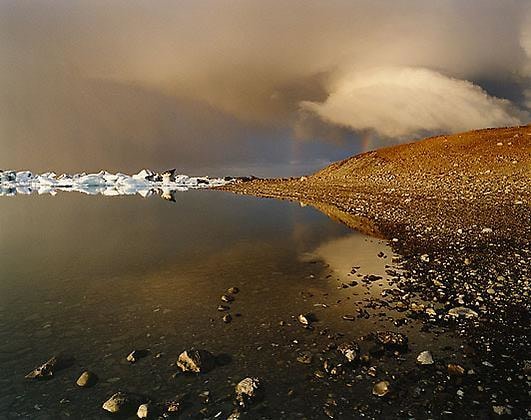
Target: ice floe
144	183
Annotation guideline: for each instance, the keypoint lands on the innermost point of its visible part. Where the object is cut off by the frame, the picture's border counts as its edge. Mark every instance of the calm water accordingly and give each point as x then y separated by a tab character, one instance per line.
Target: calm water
96	277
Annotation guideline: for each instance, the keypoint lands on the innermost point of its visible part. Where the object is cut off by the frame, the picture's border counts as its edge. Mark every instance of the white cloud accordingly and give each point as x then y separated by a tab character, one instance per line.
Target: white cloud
400	102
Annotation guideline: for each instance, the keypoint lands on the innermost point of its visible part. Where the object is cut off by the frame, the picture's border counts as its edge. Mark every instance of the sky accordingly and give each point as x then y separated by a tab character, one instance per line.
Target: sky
251	86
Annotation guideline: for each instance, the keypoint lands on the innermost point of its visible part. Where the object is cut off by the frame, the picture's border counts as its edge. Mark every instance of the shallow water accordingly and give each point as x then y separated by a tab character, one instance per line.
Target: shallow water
96	277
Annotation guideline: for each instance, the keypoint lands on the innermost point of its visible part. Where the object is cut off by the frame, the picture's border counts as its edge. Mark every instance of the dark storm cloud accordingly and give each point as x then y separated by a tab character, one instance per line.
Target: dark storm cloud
136	77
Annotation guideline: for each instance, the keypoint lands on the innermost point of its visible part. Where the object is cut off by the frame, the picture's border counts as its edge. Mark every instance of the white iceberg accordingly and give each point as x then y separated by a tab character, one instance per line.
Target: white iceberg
145	183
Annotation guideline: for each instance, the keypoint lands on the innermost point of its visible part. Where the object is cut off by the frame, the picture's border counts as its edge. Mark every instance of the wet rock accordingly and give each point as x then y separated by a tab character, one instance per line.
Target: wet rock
233	290
227	298
462	311
135	355
87	379
249	390
349	350
222	308
455	370
425	358
144	411
349	317
305	358
120	402
306	319
227	318
47	369
196	361
381	389
391	340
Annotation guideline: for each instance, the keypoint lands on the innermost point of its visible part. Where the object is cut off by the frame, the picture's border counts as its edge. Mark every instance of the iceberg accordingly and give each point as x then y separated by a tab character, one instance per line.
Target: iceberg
144	183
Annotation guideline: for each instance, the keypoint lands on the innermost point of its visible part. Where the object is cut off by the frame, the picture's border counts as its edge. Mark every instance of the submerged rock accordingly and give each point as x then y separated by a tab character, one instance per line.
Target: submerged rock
455	370
196	361
425	358
380	389
391	340
47	369
248	390
350	350
87	379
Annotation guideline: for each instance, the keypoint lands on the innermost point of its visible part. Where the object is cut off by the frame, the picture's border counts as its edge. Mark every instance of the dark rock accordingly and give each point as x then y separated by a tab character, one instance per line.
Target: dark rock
249	390
391	340
350	351
196	361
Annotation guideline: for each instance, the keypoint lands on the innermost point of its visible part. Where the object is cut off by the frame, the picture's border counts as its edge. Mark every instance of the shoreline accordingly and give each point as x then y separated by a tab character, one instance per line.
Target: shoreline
463	237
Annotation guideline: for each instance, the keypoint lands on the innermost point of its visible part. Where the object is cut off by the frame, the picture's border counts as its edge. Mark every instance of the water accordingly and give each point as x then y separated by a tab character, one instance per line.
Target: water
96	277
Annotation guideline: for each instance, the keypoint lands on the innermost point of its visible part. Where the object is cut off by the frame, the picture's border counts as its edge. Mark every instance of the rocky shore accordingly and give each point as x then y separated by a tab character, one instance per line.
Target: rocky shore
457	209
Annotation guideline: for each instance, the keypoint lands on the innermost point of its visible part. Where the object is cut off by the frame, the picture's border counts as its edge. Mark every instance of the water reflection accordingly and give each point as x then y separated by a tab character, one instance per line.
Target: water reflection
98	276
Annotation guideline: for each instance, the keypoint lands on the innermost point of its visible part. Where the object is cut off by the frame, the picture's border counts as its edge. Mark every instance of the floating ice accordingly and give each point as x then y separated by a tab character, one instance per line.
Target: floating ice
144	183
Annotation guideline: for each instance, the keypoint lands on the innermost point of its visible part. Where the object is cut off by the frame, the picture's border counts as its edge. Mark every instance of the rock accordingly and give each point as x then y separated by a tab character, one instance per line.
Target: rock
306	319
119	402
87	379
196	361
462	311
501	410
305	358
46	370
455	370
222	308
144	411
349	317
227	318
134	356
391	340
227	298
380	389
350	350
233	290
248	390
425	358
235	415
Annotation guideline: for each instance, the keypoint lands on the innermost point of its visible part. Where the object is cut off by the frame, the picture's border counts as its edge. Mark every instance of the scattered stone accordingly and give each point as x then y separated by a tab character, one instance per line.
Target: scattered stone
46	370
196	361
455	370
306	319
248	390
349	317
144	411
380	389
119	402
87	379
462	311
227	298
350	350
425	358
227	318
233	290
305	357
501	410
135	355
222	308
391	340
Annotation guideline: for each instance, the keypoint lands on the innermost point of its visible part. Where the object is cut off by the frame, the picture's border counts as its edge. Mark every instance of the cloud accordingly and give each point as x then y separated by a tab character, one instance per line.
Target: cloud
398	68
402	102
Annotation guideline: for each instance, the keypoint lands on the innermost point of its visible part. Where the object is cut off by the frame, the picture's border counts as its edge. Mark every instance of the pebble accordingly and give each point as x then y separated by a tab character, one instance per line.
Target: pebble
86	379
381	388
425	358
